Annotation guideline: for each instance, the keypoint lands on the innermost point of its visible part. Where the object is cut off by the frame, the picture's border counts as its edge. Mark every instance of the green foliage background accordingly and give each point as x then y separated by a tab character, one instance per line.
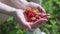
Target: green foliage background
51	27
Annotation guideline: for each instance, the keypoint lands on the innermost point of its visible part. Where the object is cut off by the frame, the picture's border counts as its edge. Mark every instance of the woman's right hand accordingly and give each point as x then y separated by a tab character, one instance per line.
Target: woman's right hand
20	17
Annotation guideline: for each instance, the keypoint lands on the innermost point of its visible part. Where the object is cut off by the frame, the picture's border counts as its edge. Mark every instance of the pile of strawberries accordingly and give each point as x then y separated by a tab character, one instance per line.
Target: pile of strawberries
32	15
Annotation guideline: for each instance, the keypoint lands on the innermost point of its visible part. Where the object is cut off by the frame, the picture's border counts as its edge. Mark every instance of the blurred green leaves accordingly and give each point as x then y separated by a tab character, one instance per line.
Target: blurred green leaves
53	25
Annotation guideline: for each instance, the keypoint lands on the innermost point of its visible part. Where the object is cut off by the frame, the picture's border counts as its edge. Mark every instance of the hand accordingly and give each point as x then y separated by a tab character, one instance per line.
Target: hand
19	16
42	10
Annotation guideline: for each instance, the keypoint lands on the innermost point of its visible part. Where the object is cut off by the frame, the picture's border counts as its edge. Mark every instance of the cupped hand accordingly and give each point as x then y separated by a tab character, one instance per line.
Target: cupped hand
19	16
42	11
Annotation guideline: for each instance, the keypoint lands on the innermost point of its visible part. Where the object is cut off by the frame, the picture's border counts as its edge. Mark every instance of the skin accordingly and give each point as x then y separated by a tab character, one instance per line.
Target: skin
12	9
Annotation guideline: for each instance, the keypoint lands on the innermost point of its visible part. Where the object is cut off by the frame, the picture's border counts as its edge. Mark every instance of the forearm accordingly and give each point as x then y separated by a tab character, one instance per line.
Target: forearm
20	3
6	9
36	1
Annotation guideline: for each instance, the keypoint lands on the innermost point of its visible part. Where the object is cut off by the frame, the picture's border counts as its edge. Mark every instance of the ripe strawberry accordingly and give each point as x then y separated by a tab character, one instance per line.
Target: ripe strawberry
38	17
32	15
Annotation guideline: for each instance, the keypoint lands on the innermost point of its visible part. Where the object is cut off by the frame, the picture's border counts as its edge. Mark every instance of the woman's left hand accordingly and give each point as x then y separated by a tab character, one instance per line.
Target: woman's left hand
41	10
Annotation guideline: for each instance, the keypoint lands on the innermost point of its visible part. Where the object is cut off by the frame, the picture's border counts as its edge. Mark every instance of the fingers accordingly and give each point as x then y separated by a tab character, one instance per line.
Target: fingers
47	16
44	15
29	27
39	23
41	9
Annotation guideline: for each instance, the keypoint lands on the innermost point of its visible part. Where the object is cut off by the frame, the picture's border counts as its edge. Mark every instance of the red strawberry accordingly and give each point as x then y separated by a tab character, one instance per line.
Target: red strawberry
31	15
38	17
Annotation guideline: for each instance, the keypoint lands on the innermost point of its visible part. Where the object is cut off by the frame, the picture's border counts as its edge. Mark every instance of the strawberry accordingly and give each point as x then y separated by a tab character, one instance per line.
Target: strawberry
38	17
32	15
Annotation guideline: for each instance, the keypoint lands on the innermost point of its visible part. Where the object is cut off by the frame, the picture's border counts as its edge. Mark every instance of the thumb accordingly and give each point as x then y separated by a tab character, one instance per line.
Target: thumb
29	28
41	9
